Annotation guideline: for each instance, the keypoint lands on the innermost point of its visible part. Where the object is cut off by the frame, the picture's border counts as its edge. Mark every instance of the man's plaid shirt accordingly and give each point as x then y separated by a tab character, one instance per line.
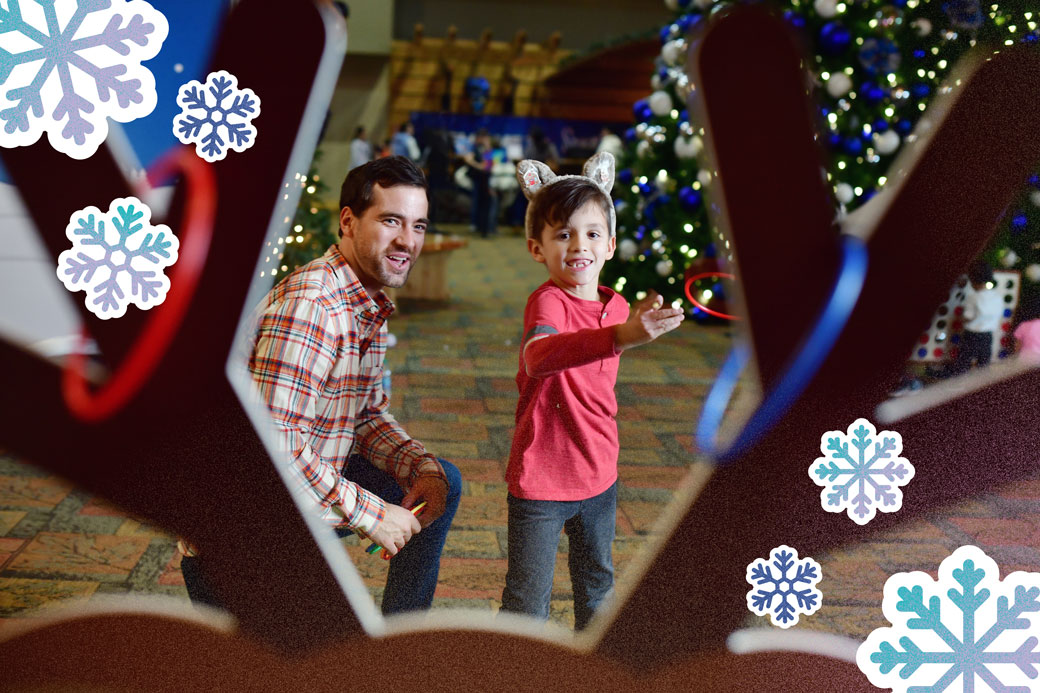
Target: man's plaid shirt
318	363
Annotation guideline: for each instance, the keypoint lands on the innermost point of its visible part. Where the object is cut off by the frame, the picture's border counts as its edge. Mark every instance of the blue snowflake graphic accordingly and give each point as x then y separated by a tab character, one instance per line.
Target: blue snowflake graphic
861	484
232	110
120	264
782	586
993	642
53	55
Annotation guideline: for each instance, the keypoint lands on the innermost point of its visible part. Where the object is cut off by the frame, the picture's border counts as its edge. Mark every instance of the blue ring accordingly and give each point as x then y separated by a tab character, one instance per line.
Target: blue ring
799	373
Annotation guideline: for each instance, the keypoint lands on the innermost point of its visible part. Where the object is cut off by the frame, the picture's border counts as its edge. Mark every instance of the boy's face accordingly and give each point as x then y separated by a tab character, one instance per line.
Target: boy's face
575	252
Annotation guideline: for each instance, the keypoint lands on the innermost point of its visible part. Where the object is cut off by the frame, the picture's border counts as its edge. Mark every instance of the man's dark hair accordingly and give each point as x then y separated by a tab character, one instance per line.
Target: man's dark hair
980	273
387	172
360	129
556	203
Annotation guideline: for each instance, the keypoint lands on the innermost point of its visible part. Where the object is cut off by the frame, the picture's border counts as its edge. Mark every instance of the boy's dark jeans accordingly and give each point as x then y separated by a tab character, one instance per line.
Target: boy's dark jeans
974	346
412	577
534	536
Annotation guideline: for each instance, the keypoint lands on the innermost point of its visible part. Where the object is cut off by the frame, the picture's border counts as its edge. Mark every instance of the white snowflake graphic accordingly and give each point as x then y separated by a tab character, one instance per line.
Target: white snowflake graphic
119	264
858	483
56	54
782	586
233	110
988	640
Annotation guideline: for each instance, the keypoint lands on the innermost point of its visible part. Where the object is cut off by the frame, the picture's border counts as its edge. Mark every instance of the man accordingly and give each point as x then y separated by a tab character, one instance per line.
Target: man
317	362
360	149
404	143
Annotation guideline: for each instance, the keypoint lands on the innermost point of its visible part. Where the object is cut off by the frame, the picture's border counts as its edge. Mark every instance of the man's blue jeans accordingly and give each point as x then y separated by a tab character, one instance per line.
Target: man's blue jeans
412	577
534	536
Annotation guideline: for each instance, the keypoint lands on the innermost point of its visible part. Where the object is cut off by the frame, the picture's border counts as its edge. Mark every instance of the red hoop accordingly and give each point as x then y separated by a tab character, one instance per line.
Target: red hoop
151	345
706	309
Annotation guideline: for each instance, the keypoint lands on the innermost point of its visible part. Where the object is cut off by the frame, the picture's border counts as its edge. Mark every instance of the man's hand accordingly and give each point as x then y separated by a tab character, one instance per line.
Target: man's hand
647	322
396	528
433	490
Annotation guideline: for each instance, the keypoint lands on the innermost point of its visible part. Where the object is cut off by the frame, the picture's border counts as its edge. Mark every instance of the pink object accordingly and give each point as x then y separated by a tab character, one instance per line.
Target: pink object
1028	336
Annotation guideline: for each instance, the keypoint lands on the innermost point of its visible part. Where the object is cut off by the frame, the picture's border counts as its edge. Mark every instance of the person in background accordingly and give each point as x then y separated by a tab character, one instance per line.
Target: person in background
983	310
541	148
403	142
360	149
478	164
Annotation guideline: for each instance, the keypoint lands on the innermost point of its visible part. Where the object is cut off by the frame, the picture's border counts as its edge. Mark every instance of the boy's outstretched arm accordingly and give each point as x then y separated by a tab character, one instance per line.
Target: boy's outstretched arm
647	322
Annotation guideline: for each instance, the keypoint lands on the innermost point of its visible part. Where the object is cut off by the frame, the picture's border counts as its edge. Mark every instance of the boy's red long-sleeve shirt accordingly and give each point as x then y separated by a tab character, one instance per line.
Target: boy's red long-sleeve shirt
565	446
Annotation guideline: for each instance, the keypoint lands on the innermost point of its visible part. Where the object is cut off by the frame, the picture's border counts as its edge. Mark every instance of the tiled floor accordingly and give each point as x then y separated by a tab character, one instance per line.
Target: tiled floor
453	388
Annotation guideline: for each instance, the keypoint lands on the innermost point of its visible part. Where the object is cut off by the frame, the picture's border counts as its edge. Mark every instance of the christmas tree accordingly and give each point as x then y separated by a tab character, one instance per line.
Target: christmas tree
314	228
877	64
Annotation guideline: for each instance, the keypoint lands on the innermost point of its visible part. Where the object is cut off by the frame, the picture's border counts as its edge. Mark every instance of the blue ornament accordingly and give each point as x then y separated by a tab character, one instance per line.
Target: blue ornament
663	74
1018	221
689	199
709	250
834	38
684	116
853	145
899	3
668	32
834	140
919	53
645	114
1034	180
630	135
640	232
920	90
626	176
638	107
687	21
684	3
964	14
879	56
880	125
645	189
872	92
663	199
904	126
794	18
867	194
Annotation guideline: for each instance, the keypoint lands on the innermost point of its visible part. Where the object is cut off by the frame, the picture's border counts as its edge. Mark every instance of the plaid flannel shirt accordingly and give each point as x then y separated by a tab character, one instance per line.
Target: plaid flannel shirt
317	361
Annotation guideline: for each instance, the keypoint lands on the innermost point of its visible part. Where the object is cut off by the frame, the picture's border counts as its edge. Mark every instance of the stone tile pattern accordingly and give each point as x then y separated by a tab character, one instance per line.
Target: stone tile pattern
453	388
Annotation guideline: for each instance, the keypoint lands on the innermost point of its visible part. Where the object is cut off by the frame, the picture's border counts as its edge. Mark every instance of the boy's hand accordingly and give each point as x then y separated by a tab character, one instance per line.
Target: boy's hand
647	322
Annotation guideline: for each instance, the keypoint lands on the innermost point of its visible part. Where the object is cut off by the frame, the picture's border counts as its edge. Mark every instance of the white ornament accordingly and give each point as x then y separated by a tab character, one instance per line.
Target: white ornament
664	268
627	248
844	193
839	84
1009	259
826	8
923	26
673	5
1033	272
1035	198
704	176
643	149
688	147
673	52
660	103
887	142
703	4
655	82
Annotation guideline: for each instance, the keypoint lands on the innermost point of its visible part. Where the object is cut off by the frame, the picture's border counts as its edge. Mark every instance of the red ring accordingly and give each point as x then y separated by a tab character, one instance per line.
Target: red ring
706	309
151	345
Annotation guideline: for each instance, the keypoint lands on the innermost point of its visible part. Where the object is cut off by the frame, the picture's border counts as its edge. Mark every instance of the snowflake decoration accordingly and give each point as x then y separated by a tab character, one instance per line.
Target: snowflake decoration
994	640
783	586
104	40
130	262
232	110
861	484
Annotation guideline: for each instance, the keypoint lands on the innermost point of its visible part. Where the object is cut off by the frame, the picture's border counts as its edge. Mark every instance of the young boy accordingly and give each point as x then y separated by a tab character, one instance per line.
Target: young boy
562	471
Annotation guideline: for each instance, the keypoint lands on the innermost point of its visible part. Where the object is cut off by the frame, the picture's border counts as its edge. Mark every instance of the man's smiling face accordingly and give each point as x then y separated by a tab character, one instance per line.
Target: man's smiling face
383	243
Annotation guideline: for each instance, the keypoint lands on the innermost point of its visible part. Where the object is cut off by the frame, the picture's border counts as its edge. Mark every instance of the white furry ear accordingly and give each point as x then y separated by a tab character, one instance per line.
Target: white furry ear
600	168
533	175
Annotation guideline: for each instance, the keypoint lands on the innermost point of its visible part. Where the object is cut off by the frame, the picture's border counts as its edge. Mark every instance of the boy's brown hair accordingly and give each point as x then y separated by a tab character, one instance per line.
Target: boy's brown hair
555	198
555	204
